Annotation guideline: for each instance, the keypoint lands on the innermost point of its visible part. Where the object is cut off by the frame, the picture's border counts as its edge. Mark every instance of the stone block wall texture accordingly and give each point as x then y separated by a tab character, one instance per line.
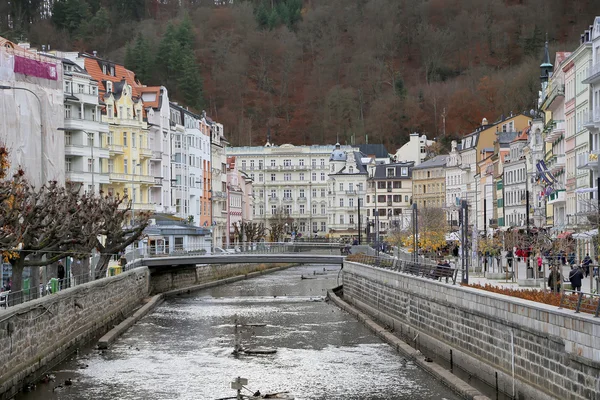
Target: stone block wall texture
163	280
36	335
556	352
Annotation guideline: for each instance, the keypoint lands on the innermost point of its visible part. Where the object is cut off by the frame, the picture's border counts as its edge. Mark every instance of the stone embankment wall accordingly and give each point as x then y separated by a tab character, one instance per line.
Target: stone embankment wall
554	353
164	280
36	335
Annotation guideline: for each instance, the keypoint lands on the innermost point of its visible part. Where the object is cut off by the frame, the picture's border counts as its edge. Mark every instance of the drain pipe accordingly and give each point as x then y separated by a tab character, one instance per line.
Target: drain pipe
512	353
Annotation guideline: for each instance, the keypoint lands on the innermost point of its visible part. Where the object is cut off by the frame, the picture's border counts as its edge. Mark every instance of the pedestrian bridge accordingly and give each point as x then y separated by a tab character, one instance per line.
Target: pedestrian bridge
305	253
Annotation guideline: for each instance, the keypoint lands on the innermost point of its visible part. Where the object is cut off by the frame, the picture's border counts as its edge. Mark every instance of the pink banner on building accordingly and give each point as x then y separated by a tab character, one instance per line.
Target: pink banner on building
35	68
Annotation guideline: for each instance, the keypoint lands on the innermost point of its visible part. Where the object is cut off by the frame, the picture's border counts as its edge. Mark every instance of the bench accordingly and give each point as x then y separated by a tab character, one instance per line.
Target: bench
444	272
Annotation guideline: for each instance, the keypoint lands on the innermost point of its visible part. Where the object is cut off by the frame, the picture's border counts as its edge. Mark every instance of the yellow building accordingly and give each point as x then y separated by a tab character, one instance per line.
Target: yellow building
429	183
127	141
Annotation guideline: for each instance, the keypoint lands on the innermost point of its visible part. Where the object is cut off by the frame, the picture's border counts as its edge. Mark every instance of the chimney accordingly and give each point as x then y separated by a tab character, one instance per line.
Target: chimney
95	53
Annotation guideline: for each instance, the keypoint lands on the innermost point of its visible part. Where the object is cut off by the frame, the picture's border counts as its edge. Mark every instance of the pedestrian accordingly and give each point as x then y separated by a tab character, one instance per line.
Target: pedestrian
586	264
539	262
575	276
509	259
572	258
554	280
60	274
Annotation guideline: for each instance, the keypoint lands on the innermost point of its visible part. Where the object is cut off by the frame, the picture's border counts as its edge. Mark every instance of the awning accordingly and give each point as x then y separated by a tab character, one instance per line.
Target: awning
585	235
586	190
156	238
564	235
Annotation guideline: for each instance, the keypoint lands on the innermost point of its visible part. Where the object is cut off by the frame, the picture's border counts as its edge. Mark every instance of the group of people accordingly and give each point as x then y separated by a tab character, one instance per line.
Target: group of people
576	274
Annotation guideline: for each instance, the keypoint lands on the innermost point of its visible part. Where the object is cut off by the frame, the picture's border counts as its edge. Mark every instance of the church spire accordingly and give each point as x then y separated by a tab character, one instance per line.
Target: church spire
268	144
546	66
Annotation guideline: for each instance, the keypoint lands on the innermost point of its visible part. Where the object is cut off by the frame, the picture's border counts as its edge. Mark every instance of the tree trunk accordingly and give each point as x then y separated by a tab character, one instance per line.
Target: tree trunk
34	278
102	266
16	294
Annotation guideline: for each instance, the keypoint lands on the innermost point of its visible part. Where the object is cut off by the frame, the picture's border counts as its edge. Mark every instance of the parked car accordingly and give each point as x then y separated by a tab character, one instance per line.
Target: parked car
220	250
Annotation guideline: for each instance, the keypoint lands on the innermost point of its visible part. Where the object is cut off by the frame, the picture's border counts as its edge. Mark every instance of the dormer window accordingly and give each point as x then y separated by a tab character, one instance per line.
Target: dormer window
391	172
109	87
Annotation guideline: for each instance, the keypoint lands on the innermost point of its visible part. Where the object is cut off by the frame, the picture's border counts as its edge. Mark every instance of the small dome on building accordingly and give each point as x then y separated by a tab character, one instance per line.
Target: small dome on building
337	154
484	121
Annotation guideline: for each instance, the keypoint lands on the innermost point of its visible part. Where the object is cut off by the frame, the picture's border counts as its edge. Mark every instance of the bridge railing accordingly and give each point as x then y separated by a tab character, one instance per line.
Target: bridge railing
250	248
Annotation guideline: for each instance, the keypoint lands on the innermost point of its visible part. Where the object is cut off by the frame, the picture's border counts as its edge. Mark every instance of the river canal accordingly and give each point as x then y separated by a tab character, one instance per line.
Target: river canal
183	350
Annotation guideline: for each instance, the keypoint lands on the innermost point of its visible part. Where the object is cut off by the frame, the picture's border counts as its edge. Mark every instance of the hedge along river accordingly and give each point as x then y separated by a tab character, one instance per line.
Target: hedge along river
183	350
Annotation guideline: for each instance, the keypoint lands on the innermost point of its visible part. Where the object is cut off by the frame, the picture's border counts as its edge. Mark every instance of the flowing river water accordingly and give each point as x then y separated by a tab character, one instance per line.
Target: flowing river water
183	350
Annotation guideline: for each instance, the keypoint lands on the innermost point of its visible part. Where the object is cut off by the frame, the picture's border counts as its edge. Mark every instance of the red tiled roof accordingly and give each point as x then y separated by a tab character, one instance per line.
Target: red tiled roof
151	89
524	134
93	68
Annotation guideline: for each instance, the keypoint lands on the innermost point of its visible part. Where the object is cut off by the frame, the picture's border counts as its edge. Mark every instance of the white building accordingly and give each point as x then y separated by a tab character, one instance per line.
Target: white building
346	188
292	178
515	183
86	159
455	185
414	150
218	181
160	135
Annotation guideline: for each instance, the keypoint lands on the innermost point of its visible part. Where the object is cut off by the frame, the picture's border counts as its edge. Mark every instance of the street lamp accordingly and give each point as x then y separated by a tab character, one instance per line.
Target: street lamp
42	170
132	195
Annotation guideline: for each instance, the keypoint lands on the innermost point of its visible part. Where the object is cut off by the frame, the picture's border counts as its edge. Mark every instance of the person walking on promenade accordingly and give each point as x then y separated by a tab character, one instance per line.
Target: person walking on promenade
60	274
575	276
586	264
509	259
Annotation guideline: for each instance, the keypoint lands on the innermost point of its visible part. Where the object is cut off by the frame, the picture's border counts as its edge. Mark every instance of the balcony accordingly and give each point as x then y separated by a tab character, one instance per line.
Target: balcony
216	195
273	199
588	160
164	209
78	124
557	162
145	152
86	177
558	129
591	119
302	199
593	74
558	197
115	149
287	200
157	155
557	90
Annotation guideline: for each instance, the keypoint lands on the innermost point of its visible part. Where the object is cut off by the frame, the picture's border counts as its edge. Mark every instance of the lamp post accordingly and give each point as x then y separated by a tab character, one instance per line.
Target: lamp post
359	227
133	199
43	168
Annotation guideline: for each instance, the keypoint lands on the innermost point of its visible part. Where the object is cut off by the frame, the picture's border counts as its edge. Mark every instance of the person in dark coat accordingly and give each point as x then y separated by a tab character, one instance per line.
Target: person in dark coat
575	276
586	264
554	280
60	274
509	259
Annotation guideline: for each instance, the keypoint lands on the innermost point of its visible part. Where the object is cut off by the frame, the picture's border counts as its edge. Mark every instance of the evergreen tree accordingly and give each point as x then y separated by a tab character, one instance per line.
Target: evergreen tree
262	15
273	20
185	33
143	59
189	83
69	14
130	61
166	48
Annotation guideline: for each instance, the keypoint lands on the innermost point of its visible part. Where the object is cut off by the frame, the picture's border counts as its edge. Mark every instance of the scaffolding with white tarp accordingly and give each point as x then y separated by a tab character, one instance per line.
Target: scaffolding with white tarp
32	112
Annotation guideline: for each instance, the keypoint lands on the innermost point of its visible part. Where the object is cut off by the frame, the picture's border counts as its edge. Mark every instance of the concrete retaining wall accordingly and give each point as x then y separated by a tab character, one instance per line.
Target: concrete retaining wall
165	279
556	352
36	335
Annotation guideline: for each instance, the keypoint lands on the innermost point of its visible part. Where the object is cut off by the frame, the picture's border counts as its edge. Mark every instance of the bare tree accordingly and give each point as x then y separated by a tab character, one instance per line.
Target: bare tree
114	212
279	223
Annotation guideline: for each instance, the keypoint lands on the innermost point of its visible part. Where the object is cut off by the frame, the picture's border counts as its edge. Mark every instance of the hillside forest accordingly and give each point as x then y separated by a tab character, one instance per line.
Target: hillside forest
320	71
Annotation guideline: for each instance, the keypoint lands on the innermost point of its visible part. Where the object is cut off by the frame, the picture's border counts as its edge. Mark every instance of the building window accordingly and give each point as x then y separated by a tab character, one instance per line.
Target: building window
287	209
67	111
323	192
287	193
273	177
90	165
287	163
68	164
287	176
125	169
391	172
323	226
124	139
301	162
243	164
273	193
341	186
397	184
323	176
314	163
314	193
315	227
302	227
68	138
301	208
301	176
314	208
341	219
342	202
251	164
322	209
272	163
322	162
133	140
273	210
111	165
260	177
301	191
80	88
351	202
314	176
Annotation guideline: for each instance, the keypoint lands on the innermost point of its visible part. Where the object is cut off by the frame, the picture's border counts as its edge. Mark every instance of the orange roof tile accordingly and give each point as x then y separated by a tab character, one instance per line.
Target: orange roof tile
151	89
93	68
